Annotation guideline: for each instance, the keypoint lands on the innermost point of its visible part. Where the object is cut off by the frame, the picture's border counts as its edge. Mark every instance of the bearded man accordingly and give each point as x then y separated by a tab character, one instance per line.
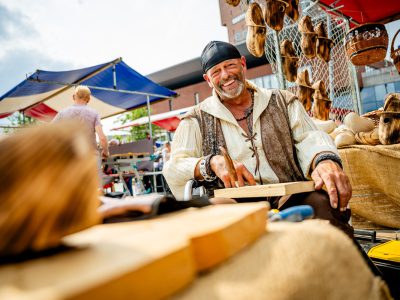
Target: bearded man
268	135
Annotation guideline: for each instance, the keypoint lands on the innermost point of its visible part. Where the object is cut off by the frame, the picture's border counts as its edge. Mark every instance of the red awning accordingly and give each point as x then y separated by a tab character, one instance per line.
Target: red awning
5	115
41	112
168	120
367	11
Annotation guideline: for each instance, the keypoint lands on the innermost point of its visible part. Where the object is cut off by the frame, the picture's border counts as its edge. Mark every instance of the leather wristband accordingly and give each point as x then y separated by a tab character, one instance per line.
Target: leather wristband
205	168
328	156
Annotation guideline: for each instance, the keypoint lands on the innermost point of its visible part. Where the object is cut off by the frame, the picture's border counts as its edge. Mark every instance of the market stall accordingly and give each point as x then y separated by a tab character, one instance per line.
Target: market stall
116	88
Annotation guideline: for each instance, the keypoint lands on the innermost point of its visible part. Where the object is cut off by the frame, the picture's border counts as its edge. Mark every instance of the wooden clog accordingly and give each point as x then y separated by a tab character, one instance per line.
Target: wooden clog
289	60
345	138
275	13
392	103
308	37
256	30
322	103
233	2
389	128
304	91
324	44
358	124
292	11
389	121
338	130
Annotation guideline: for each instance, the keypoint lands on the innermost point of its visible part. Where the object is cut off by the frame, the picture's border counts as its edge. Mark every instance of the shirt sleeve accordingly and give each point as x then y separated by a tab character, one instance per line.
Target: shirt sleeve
185	153
309	141
97	121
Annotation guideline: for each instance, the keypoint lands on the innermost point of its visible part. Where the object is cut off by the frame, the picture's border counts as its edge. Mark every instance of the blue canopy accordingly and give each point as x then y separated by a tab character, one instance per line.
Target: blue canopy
115	87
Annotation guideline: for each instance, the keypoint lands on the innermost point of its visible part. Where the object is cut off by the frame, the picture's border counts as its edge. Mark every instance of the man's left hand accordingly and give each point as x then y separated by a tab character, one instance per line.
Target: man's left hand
337	183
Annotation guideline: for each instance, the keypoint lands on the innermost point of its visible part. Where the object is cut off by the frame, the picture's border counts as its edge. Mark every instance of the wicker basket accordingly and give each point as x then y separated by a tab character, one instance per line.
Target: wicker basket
395	54
367	44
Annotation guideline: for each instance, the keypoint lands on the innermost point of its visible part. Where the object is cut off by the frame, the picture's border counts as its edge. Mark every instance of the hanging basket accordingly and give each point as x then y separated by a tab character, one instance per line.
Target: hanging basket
395	54
367	44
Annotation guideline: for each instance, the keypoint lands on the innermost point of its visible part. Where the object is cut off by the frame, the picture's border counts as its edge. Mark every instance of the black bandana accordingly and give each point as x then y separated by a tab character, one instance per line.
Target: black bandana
216	52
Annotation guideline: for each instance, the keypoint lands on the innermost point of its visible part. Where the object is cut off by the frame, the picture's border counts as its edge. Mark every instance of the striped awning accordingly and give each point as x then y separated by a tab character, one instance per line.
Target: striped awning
115	87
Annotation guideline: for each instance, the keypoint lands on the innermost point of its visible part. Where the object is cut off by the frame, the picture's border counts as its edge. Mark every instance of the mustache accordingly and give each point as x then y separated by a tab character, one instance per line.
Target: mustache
232	77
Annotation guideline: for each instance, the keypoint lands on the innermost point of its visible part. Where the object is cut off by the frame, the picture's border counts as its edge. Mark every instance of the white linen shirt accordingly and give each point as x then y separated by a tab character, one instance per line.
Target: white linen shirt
187	142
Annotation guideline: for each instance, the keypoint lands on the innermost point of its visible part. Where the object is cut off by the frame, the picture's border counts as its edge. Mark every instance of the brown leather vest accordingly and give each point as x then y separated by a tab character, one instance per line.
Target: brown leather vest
276	137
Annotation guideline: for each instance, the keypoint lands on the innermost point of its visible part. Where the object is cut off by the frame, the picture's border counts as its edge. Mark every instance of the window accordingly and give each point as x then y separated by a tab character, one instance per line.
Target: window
267	81
237	19
397	86
380	92
390	87
240	36
369	98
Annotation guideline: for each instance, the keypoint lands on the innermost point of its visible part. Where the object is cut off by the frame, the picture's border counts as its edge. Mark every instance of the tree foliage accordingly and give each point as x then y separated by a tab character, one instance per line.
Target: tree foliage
138	132
19	120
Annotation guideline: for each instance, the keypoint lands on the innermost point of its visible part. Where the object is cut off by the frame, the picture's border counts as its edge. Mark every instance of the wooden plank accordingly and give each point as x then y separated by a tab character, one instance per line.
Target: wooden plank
218	232
106	262
138	260
266	190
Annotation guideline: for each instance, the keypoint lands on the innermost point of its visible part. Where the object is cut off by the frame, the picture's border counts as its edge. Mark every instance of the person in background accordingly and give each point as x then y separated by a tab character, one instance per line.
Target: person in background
81	112
109	170
113	142
166	152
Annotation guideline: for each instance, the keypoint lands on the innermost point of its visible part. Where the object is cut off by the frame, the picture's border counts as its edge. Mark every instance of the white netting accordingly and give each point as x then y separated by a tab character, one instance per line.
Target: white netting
336	74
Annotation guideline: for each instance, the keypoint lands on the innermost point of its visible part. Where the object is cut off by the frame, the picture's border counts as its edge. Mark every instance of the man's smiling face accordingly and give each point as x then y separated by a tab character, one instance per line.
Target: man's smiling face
227	78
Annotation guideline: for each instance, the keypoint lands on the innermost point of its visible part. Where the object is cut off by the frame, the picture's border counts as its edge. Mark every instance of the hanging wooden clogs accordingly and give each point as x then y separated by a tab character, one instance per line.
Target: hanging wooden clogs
308	37
289	60
324	44
322	103
256	30
304	90
275	13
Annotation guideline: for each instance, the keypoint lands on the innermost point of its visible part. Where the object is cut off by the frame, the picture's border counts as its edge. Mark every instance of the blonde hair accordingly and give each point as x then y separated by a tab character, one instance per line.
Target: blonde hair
48	181
82	92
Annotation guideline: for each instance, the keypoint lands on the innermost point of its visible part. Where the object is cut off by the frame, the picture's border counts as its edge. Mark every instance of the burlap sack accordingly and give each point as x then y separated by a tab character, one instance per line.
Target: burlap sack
308	260
374	175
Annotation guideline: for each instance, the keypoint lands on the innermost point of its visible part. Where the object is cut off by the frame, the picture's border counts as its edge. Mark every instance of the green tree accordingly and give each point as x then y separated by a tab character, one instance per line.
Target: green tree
138	132
19	120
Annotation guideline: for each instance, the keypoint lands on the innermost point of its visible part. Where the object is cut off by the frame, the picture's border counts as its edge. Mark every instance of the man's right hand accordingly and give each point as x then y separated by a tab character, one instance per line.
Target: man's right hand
221	169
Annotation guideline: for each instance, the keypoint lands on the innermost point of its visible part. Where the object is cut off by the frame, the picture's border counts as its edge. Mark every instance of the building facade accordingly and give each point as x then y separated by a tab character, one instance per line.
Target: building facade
374	82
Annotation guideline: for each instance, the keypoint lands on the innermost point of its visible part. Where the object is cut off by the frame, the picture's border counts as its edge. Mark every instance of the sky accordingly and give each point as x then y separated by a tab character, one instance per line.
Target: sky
56	35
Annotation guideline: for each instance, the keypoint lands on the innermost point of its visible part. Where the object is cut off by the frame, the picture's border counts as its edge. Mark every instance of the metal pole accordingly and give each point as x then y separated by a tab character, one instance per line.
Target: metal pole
148	114
170	104
281	80
114	78
355	87
331	70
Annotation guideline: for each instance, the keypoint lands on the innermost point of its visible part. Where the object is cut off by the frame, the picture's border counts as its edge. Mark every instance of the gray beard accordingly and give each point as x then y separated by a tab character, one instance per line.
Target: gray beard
233	94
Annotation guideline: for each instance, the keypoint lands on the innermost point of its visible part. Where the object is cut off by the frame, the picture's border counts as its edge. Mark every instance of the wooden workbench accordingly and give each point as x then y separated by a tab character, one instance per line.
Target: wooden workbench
167	257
